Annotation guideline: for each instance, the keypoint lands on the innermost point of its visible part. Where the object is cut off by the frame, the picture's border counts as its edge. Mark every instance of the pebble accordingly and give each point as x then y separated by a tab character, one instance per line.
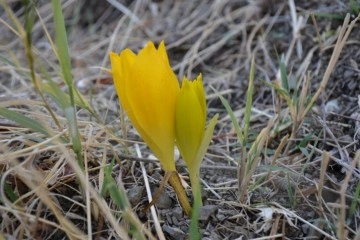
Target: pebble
220	217
175	221
206	212
214	236
164	201
157	176
214	179
168	219
305	228
184	228
135	195
178	213
174	233
348	74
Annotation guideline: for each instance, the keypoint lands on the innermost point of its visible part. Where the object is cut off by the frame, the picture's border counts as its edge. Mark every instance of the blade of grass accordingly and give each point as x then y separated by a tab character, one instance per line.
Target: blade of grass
253	159
355	201
233	119
245	164
239	134
24	121
9	192
248	105
283	74
64	59
119	197
55	90
291	191
25	34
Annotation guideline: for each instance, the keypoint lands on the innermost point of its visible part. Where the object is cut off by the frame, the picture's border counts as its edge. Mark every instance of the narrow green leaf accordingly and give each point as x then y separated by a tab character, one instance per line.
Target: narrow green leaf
290	190
248	105
233	119
64	59
61	42
330	16
355	201
207	138
354	6
283	75
59	96
109	186
74	133
10	193
29	16
23	121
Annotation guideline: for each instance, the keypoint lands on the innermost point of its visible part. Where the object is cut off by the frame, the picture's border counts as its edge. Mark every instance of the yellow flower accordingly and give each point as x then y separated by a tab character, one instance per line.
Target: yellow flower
150	95
147	88
191	137
190	119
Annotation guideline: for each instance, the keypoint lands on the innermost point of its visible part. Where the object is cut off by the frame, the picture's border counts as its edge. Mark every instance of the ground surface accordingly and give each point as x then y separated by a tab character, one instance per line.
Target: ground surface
296	191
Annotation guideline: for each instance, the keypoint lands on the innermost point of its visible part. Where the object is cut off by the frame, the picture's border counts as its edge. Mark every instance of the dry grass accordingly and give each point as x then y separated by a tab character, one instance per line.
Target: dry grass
300	178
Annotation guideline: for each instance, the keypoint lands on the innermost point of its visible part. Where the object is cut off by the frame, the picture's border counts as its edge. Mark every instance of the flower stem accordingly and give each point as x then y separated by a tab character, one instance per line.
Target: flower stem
196	188
175	182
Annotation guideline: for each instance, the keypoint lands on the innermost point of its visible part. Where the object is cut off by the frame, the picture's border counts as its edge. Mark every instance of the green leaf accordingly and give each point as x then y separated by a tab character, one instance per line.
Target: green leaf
61	98
61	42
23	121
233	119
64	59
10	193
248	105
284	78
207	138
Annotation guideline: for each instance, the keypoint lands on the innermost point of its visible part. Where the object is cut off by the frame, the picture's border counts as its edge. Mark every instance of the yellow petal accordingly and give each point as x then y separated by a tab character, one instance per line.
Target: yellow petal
200	93
163	53
190	119
147	89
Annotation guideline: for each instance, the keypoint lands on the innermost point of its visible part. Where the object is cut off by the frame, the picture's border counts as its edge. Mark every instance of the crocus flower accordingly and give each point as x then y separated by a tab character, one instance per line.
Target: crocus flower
147	88
190	119
191	137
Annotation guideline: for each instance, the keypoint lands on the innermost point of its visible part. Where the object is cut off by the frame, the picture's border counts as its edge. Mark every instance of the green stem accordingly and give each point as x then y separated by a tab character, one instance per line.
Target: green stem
196	190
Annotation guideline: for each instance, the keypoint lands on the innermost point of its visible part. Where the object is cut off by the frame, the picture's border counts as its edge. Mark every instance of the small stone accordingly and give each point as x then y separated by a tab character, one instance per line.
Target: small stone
135	195
174	233
214	179
184	228
157	176
206	212
178	213
310	214
220	217
305	228
214	236
175	221
348	74
168	219
204	195
164	201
